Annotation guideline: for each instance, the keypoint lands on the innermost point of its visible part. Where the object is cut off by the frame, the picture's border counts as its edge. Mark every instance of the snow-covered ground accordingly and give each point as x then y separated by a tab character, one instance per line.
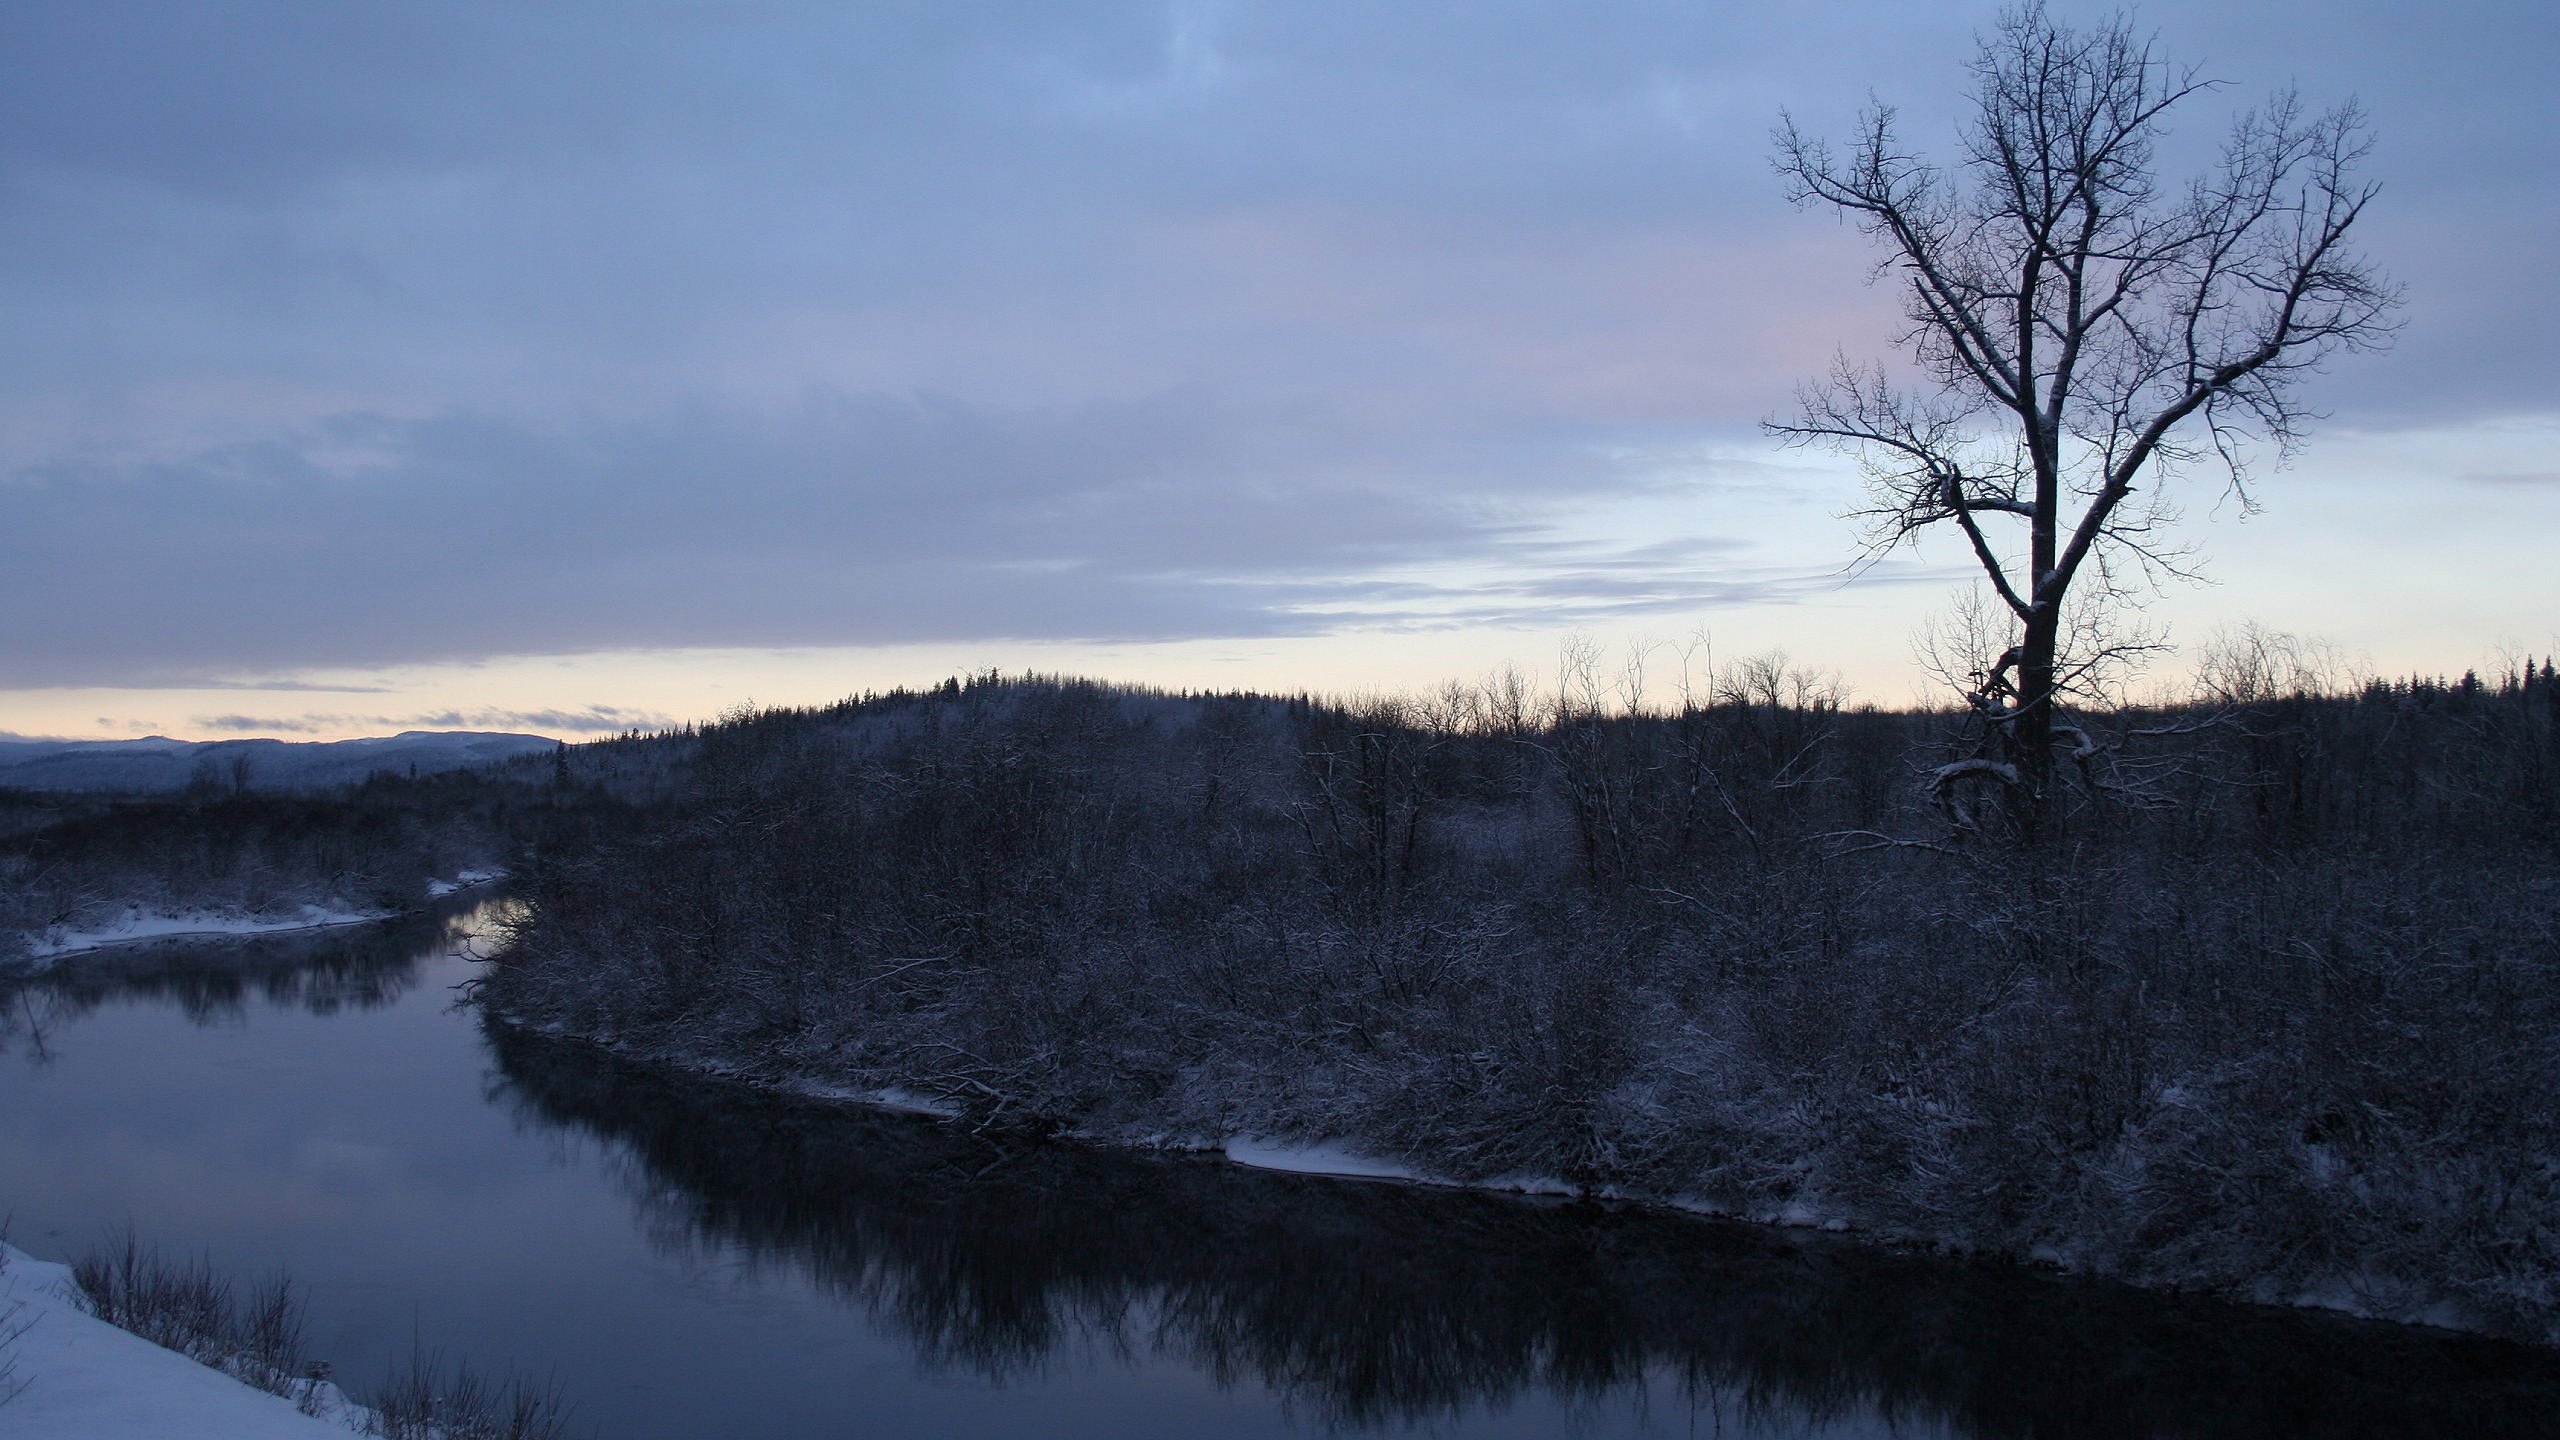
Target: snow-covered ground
84	1379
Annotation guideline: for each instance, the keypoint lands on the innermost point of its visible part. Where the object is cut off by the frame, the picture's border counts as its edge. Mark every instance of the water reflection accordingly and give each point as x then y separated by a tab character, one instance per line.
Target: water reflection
212	982
1377	1306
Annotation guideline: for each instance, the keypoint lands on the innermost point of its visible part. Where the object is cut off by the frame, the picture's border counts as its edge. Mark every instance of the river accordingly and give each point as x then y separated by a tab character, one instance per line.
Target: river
686	1260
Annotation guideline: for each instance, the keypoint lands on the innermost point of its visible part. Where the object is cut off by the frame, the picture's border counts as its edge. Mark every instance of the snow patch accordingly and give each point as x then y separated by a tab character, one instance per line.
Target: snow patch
1545	1185
138	926
1338	1160
1322	1157
911	1102
1797	1215
902	1101
462	880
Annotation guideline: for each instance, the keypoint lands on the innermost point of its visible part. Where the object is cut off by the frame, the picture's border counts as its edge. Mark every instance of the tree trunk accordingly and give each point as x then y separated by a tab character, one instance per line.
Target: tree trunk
2031	732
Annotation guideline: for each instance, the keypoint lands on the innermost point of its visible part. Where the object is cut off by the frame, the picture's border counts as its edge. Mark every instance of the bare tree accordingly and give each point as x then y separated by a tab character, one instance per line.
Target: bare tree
2080	332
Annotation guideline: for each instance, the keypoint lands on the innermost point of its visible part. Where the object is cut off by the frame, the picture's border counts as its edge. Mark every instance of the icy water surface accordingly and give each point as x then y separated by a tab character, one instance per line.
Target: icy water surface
689	1261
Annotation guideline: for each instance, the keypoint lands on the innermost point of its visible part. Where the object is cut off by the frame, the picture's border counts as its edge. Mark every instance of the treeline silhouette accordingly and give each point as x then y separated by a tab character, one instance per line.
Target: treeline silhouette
2271	1005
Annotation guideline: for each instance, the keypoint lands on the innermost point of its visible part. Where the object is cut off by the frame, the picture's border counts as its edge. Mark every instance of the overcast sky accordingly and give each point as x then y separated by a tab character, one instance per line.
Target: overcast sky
563	366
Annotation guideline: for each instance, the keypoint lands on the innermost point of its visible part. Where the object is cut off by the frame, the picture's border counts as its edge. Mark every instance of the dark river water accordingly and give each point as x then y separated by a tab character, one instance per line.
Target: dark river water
685	1260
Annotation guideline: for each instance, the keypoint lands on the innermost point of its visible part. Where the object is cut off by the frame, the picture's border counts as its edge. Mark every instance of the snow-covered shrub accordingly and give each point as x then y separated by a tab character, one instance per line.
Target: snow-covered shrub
189	1309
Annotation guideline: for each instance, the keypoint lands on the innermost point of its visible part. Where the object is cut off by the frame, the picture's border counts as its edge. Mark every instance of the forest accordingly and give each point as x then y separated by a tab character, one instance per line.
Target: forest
74	860
2267	1004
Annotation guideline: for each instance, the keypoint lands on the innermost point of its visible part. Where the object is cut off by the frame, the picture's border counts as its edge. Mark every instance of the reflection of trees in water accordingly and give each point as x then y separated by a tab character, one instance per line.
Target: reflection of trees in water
1380	1304
211	982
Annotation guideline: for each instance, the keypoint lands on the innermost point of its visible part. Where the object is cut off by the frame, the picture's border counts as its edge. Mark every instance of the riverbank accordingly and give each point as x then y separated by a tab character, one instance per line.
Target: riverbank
136	925
1349	1160
76	1377
125	1346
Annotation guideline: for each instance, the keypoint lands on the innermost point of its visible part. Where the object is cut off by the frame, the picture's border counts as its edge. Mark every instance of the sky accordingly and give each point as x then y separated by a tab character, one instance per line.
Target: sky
574	367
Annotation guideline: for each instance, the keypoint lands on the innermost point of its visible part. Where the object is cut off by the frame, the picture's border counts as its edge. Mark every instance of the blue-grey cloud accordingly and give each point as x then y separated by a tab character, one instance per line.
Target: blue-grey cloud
276	685
842	520
354	334
588	720
259	724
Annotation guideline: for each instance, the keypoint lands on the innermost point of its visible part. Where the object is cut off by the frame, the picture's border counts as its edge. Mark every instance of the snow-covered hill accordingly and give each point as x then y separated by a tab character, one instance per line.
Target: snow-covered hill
160	764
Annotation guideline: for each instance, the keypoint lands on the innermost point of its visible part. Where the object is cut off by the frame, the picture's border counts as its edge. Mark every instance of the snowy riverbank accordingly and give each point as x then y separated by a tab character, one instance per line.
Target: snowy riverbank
1351	1159
143	925
79	1378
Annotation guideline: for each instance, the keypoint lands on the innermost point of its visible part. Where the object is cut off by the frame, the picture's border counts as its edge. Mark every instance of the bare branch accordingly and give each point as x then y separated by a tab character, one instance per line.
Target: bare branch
2089	333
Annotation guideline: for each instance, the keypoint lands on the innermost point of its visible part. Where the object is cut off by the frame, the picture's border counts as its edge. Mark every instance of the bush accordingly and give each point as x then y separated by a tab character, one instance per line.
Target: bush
423	1402
189	1309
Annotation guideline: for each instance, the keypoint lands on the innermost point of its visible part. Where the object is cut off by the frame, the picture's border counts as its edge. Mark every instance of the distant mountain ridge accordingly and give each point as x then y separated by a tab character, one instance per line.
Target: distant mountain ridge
157	764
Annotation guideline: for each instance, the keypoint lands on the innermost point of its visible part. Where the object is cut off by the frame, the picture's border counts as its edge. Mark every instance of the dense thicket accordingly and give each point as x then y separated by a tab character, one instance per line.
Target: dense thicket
2275	1004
